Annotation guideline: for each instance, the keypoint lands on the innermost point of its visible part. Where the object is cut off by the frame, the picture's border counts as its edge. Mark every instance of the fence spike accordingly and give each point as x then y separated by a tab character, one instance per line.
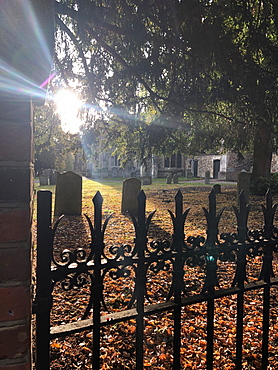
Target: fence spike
269	213
242	215
97	201
213	219
179	203
242	234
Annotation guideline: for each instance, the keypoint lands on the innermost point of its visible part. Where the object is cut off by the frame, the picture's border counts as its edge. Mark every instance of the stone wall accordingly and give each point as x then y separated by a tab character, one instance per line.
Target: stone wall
274	163
230	165
205	163
238	164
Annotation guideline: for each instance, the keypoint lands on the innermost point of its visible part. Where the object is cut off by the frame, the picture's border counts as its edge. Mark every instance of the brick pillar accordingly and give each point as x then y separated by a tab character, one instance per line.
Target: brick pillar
26	44
16	173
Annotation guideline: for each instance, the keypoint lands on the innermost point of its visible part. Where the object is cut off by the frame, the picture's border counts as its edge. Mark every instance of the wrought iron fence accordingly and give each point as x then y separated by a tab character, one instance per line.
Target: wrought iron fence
239	246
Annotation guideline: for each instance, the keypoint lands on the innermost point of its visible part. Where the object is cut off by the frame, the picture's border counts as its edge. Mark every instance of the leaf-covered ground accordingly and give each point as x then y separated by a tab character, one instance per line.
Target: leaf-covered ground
118	341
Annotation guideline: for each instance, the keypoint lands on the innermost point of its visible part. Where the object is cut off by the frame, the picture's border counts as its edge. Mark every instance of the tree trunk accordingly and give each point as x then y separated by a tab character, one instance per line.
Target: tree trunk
262	152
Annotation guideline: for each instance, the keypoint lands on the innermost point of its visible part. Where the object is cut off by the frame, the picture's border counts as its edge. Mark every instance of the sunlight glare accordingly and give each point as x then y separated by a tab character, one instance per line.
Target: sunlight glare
68	106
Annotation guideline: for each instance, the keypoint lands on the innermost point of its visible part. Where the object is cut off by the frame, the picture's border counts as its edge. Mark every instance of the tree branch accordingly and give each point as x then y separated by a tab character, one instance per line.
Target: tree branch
65	10
76	43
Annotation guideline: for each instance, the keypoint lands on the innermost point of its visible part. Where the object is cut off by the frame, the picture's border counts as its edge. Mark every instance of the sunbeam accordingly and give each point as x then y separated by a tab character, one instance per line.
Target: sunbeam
26	53
68	107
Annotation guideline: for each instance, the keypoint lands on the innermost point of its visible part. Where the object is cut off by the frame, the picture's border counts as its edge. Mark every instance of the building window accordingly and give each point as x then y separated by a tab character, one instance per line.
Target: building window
178	164
175	161
114	160
166	162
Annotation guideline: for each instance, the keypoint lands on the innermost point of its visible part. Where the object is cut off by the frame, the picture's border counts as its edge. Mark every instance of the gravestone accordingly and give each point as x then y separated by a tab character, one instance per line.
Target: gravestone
207	177
68	195
114	172
147	180
104	173
175	179
243	183
169	179
188	173
53	178
217	188
43	180
120	172
130	192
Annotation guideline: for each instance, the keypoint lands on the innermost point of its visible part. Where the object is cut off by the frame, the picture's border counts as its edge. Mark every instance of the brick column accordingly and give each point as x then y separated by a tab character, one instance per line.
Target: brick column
16	173
26	44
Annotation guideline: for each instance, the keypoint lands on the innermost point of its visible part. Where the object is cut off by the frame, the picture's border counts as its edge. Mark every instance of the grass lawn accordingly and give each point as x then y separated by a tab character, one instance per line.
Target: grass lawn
111	189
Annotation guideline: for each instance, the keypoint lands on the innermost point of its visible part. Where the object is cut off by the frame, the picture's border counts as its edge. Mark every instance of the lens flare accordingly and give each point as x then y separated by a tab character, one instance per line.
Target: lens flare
26	54
68	107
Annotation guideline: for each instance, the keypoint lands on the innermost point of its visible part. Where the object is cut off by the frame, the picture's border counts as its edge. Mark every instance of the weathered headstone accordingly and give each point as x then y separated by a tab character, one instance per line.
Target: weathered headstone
104	173
130	192
169	179
175	178
120	172
147	180
188	173
207	177
114	172
43	180
53	178
68	196
217	188
243	183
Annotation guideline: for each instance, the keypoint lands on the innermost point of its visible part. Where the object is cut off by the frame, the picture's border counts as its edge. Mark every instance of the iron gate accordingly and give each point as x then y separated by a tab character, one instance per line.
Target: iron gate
180	251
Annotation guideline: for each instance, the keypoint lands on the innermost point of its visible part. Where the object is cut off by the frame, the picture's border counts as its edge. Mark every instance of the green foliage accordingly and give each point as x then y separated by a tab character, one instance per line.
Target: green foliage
201	74
53	147
260	185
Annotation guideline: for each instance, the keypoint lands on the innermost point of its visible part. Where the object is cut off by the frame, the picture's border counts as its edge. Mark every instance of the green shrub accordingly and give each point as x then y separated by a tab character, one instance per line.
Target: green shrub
260	185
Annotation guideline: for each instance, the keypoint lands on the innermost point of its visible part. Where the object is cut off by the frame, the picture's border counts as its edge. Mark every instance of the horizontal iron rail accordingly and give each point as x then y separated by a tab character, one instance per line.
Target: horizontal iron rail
61	271
115	317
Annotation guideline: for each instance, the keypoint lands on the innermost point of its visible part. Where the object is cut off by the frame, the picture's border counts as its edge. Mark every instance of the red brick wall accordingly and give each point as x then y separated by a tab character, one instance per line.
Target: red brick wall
16	172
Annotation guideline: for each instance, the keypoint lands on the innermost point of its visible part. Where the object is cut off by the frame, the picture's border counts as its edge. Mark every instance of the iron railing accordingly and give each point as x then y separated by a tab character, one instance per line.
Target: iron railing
180	252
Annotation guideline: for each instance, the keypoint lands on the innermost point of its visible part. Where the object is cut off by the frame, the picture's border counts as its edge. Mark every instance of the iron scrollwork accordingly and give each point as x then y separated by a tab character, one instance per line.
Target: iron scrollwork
90	265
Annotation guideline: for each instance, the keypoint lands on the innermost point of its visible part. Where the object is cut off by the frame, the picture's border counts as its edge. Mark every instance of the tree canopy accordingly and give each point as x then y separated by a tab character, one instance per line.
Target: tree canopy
54	148
194	75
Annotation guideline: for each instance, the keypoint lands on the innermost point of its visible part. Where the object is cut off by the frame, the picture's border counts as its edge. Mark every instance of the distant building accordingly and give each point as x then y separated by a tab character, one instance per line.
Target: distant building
221	166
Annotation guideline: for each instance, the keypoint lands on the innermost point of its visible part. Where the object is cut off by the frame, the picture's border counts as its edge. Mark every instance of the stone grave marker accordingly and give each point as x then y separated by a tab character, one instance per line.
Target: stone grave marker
130	192
207	177
114	172
169	179
175	178
53	178
43	180
147	180
68	196
243	183
188	173
104	173
120	172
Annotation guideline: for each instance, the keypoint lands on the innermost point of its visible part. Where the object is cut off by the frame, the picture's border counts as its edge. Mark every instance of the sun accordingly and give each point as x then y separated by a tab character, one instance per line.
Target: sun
68	106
